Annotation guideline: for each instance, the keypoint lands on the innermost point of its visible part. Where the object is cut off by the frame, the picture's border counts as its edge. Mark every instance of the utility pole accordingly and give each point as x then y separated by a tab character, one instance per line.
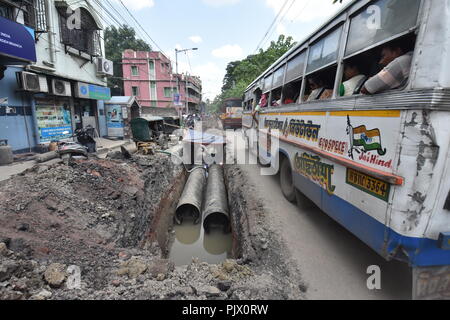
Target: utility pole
176	66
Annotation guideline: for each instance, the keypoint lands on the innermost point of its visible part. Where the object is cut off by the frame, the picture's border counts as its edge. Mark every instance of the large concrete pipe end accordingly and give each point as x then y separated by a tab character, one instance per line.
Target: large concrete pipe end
190	202
216	213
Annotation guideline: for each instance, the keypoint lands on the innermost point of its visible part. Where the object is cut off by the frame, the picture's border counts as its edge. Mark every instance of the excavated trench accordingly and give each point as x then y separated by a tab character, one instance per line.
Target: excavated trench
194	219
193	231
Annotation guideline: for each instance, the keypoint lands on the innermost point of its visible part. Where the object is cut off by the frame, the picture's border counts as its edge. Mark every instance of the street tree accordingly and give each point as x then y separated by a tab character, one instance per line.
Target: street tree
241	73
117	40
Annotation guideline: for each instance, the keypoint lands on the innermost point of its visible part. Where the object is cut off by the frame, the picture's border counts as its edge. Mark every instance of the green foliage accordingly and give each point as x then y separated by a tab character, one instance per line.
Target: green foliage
117	40
241	73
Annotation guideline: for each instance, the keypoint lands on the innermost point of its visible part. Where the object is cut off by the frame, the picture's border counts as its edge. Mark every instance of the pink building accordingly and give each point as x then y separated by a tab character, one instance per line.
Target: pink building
149	77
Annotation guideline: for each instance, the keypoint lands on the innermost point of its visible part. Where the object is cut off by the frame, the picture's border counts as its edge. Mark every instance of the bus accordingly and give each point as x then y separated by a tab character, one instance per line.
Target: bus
378	164
231	113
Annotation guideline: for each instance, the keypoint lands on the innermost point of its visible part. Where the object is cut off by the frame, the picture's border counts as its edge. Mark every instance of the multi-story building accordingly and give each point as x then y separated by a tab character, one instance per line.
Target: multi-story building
149	77
63	86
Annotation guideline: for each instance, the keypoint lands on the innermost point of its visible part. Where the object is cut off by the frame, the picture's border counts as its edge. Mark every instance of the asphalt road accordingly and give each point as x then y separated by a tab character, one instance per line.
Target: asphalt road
332	261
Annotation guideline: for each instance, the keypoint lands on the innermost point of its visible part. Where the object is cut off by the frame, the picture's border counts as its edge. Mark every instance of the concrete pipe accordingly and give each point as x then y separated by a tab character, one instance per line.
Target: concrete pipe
216	213
44	157
190	203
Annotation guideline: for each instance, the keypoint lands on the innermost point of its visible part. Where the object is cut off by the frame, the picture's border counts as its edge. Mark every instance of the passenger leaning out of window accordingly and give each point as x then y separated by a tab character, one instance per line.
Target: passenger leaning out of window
354	80
397	65
319	90
262	104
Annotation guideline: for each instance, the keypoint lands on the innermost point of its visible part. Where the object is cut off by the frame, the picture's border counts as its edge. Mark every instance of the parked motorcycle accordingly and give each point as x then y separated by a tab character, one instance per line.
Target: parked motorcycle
86	143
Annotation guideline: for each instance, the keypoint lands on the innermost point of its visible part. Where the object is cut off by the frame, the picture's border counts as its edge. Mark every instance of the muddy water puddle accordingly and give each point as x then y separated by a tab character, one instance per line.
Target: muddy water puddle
191	241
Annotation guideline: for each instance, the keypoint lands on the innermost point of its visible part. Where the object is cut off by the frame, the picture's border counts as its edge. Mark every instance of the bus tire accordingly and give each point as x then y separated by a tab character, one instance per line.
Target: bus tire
286	180
303	202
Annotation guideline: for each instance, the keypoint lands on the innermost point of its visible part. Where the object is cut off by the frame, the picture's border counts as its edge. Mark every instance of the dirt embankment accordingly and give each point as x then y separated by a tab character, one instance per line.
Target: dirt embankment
91	214
258	245
109	220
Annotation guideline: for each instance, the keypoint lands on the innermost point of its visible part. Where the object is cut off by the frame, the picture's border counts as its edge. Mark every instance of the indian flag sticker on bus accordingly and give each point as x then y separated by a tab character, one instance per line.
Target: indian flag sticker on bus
363	140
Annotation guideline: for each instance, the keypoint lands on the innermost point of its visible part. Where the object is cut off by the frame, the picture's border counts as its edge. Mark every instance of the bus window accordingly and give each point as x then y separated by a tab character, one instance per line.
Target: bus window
257	94
324	51
278	77
396	60
276	97
371	62
291	92
397	16
295	67
356	73
268	83
319	86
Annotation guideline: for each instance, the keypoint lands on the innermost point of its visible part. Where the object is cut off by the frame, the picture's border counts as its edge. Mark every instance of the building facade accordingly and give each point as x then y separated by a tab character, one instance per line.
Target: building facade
64	86
149	77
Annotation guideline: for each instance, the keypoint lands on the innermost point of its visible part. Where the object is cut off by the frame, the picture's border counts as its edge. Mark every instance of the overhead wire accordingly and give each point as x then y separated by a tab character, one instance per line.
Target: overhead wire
271	25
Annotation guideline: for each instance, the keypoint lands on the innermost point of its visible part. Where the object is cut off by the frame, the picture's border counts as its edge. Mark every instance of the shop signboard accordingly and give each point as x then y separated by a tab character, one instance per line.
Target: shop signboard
114	120
17	42
90	91
54	122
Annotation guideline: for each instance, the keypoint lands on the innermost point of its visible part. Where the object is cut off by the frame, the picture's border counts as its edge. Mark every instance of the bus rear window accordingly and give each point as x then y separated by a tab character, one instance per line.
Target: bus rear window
381	20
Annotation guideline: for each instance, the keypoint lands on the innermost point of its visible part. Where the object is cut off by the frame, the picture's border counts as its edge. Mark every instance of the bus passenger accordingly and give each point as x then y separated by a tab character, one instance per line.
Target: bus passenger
263	102
289	94
354	80
276	102
319	90
397	65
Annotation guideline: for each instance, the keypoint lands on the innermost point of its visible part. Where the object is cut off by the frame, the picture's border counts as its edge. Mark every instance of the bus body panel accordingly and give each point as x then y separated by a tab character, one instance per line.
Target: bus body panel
392	219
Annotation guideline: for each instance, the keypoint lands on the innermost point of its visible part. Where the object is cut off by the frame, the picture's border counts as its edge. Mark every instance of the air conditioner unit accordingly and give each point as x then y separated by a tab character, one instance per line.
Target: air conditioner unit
61	88
105	67
33	82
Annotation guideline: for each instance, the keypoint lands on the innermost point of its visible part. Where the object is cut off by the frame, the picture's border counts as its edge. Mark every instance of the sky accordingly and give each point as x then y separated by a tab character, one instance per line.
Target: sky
222	30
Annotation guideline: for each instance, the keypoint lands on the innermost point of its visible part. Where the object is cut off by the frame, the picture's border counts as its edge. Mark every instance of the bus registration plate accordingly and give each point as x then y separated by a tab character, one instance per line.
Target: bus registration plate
368	184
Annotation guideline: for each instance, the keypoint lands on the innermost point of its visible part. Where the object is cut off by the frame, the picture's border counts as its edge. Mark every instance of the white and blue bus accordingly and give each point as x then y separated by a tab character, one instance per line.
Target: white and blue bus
379	164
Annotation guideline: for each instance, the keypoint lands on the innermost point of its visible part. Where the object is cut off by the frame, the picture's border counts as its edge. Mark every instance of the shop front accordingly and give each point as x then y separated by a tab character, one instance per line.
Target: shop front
53	119
58	117
86	109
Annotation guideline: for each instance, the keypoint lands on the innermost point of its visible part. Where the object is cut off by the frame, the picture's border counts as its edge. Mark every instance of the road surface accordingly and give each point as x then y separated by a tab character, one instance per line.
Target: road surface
332	261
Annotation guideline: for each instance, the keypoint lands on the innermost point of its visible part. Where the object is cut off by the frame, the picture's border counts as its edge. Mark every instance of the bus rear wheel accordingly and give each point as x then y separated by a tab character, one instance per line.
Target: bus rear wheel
286	181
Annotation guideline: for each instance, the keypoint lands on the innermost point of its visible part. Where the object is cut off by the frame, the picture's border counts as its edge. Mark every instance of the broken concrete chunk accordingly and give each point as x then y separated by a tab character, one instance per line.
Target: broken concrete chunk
3	249
55	275
224	285
133	267
208	291
43	295
161	266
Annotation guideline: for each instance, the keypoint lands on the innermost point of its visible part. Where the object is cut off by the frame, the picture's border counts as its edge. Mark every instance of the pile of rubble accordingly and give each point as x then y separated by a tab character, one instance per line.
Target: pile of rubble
86	230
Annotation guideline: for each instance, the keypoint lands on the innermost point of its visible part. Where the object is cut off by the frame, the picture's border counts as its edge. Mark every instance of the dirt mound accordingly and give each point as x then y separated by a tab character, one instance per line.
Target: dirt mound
83	214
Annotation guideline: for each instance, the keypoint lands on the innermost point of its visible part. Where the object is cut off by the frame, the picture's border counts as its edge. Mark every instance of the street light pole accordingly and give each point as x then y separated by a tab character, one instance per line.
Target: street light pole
176	65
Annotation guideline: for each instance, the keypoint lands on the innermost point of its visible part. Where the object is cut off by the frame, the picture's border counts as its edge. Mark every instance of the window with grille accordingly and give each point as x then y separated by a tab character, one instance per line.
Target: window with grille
86	38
